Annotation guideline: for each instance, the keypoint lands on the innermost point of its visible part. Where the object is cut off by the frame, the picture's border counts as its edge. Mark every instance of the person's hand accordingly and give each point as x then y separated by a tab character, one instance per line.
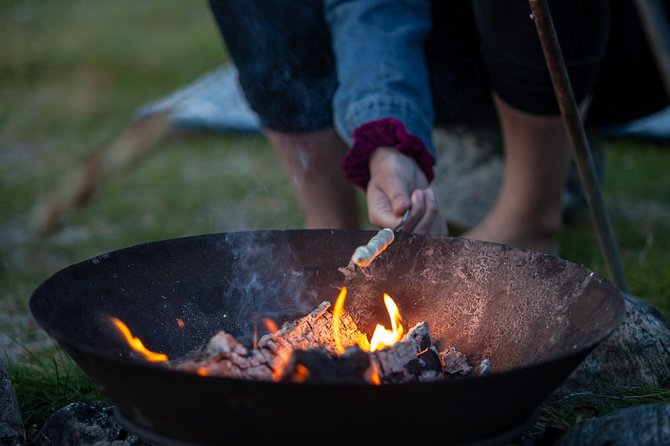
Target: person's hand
396	183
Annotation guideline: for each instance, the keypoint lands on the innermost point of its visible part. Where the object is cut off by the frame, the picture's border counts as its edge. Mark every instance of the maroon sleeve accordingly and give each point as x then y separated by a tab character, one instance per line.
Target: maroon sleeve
387	132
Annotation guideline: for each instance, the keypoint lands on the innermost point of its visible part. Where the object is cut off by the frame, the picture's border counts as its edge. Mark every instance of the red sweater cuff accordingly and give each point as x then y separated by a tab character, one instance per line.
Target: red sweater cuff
387	132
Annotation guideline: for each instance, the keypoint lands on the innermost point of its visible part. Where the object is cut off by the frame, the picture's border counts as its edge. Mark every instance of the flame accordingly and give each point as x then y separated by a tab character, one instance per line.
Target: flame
137	345
202	371
270	325
382	337
281	361
372	374
337	322
180	323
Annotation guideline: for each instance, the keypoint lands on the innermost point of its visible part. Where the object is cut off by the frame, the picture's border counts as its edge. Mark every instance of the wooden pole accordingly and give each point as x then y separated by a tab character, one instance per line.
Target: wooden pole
577	136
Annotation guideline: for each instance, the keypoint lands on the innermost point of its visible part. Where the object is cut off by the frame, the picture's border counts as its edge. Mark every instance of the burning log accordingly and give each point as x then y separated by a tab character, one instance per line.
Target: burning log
315	331
413	358
227	357
328	347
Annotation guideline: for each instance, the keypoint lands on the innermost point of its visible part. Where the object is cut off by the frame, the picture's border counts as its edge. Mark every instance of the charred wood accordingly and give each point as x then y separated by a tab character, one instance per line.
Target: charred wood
413	358
304	350
317	366
224	356
455	363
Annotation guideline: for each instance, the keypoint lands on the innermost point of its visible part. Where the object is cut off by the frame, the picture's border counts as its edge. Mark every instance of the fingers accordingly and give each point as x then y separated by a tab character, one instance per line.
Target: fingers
425	217
382	208
396	183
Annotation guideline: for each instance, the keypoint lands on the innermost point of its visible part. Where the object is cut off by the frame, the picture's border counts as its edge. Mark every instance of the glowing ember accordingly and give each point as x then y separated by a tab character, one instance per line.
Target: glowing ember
301	373
136	344
382	337
180	323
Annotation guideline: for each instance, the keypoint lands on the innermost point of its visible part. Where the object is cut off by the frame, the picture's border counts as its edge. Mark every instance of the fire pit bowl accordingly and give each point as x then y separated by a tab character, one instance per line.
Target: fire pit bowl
533	315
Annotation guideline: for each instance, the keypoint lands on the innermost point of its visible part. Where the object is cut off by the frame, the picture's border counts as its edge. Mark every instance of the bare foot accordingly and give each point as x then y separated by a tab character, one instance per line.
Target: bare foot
501	230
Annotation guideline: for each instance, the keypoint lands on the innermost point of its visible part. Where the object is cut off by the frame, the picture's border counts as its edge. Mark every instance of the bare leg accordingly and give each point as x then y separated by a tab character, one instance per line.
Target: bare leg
528	210
313	162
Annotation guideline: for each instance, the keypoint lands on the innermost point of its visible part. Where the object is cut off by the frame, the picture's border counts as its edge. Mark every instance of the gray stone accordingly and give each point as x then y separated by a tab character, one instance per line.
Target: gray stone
647	425
85	424
468	173
637	352
11	424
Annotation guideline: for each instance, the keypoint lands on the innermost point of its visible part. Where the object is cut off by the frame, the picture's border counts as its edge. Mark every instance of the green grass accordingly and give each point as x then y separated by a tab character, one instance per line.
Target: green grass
637	193
564	412
45	383
72	75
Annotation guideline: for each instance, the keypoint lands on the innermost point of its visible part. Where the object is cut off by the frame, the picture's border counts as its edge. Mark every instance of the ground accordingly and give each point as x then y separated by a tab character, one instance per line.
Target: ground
72	75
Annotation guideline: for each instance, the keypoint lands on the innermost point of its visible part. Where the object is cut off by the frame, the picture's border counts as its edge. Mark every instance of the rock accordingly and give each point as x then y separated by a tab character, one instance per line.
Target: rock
638	352
647	425
85	424
468	172
11	424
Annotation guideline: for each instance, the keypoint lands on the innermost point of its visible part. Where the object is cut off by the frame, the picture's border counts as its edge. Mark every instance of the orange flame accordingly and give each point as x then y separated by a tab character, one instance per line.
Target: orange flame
136	344
372	374
280	362
337	322
202	371
180	323
270	325
382	337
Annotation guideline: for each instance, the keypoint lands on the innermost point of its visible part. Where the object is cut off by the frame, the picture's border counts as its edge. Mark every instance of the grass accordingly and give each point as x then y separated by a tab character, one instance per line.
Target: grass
46	383
567	411
72	75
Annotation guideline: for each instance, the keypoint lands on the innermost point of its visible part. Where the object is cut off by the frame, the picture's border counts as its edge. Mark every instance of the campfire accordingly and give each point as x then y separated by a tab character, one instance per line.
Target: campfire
323	346
258	346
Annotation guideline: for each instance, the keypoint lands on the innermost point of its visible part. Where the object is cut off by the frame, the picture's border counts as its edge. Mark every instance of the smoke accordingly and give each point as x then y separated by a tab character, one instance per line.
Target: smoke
266	280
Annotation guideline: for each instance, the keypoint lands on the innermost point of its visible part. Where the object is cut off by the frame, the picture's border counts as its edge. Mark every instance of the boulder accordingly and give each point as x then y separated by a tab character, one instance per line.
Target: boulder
647	425
11	424
85	424
637	352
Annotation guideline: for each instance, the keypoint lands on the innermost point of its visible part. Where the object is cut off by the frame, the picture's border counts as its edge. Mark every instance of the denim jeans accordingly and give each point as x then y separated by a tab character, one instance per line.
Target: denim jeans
305	65
383	71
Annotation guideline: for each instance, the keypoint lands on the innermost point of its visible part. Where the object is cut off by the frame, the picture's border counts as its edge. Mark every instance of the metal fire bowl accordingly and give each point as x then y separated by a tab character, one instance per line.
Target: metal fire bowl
533	315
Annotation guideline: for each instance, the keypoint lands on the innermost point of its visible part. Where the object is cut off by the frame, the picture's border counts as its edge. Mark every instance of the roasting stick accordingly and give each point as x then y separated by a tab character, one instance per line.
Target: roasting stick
578	142
365	255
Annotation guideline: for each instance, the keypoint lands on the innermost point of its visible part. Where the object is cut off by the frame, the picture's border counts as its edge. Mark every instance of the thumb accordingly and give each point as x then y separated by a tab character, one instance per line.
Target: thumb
399	196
